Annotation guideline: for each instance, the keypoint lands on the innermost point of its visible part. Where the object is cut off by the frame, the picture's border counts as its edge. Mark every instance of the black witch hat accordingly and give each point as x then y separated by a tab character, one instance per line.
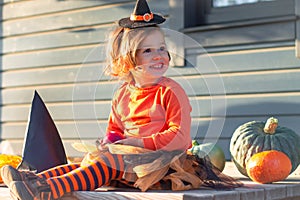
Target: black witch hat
43	147
141	17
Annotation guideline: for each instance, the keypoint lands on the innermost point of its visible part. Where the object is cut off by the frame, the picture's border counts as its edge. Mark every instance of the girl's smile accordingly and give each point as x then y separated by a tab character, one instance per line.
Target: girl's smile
152	60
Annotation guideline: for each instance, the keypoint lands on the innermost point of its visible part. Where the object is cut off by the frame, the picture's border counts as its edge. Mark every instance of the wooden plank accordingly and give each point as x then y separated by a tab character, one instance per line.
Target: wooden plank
162	195
58	21
72	129
16	147
82	36
33	8
248	60
79	55
88	73
86	17
246	105
238	83
61	93
260	33
60	111
216	128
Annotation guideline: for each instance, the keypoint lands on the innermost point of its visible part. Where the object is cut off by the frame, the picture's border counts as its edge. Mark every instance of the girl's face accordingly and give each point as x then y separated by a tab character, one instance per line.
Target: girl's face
152	60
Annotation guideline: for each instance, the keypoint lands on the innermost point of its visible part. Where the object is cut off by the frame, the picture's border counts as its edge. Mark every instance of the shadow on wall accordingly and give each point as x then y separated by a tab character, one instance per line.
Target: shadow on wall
288	115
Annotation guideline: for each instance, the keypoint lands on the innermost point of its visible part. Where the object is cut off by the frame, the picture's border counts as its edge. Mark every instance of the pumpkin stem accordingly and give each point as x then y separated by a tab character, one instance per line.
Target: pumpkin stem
271	125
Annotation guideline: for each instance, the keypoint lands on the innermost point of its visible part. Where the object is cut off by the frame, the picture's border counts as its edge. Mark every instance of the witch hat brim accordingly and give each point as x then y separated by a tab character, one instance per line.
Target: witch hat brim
141	17
43	147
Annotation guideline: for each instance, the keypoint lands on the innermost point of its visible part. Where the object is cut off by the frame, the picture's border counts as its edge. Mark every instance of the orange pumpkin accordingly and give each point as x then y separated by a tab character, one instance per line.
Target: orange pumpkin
12	160
269	166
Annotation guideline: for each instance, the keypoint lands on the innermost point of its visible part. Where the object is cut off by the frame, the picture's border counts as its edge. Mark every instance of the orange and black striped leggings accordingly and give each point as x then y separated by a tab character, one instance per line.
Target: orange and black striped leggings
74	177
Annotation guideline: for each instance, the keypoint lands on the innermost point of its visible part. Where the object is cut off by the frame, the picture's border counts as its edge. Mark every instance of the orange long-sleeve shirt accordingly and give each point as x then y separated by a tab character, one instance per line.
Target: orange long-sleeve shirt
159	114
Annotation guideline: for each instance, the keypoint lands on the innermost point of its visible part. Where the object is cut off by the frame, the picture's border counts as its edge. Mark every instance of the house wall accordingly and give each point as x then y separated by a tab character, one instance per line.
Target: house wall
257	62
57	48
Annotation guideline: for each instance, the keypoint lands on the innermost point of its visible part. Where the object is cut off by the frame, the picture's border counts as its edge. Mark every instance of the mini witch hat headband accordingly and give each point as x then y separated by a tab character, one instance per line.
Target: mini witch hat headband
141	17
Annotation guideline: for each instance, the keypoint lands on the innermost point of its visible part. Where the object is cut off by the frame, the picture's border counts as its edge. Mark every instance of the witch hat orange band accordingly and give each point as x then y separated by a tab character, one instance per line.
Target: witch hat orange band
146	17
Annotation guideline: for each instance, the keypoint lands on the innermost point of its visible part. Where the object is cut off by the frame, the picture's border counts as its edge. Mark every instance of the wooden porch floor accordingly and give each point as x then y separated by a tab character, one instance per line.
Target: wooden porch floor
288	189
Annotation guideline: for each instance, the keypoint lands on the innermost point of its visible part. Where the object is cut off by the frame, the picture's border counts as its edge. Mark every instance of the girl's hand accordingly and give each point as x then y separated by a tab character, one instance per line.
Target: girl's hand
138	142
113	136
100	144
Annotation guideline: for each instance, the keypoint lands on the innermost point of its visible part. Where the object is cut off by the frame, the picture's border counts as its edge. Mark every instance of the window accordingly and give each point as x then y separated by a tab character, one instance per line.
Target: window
207	12
259	24
223	3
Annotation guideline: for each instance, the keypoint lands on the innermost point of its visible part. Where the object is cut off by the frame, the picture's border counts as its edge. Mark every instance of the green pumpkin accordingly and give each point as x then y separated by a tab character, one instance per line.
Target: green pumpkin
254	137
213	151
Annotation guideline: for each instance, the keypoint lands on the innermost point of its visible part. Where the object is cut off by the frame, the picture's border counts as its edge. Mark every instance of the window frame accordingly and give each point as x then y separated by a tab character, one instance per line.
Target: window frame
205	14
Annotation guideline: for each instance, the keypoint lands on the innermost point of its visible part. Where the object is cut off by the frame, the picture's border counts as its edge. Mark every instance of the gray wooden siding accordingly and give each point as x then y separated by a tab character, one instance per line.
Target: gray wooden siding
56	48
256	60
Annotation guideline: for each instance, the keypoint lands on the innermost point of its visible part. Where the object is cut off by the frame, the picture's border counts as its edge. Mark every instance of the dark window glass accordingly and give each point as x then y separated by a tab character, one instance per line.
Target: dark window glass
224	3
207	12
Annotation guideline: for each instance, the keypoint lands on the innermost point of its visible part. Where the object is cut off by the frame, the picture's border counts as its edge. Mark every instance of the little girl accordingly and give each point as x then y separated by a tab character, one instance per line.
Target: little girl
152	111
148	110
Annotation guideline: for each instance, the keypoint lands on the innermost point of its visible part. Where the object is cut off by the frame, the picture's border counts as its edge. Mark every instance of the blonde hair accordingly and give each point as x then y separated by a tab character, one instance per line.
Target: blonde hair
121	50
